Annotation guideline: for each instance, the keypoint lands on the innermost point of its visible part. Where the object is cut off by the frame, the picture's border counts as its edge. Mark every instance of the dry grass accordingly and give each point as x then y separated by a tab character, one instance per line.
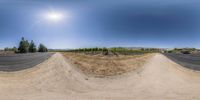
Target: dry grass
100	66
6	53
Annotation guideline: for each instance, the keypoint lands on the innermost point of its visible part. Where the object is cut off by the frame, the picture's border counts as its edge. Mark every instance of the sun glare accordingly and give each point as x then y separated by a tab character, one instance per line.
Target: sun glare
54	16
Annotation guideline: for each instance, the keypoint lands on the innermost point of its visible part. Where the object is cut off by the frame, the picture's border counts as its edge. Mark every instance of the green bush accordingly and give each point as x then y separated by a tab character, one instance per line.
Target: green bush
185	52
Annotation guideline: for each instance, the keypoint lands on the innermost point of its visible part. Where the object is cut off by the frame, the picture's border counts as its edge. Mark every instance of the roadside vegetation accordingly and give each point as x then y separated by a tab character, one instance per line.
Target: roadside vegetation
184	51
115	51
27	47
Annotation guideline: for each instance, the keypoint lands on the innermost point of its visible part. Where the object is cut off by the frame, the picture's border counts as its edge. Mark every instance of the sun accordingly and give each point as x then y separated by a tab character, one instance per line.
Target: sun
54	16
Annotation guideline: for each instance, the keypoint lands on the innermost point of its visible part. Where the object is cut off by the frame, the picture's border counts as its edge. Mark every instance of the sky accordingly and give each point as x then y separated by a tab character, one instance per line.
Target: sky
64	24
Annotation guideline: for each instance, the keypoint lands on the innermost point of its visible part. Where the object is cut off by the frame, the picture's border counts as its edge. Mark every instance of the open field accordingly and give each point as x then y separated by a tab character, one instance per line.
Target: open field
16	62
187	60
56	79
101	65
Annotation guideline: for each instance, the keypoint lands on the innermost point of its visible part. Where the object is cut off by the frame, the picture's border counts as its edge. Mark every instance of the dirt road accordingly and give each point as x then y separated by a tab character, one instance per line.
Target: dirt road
55	79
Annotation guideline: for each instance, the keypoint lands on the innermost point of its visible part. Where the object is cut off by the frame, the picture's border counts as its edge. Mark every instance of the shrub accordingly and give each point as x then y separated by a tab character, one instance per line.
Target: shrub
10	49
185	52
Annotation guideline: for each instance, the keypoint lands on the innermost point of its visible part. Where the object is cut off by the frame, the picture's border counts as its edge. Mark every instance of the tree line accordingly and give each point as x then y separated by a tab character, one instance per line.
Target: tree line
25	47
115	50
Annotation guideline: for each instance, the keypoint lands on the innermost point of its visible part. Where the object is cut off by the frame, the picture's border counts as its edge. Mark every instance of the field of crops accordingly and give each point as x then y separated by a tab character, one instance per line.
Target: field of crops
115	51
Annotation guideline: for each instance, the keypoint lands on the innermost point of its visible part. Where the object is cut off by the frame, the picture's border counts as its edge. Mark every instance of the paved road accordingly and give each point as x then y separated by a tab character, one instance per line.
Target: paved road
186	60
22	61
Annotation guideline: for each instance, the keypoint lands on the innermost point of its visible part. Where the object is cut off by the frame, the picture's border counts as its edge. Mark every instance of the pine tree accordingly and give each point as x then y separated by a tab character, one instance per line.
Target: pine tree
42	48
32	47
23	46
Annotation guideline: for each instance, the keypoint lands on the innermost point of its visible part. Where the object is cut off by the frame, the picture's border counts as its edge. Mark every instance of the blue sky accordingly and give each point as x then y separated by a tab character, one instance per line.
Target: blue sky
101	23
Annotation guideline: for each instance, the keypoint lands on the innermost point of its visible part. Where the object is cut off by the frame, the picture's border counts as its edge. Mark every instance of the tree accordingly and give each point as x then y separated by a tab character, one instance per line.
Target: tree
42	48
32	47
23	46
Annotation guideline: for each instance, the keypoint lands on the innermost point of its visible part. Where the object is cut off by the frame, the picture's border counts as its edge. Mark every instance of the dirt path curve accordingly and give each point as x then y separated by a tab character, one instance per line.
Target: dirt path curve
56	79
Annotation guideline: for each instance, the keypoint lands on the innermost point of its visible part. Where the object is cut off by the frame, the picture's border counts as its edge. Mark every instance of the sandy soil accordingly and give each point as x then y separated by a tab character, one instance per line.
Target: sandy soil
159	79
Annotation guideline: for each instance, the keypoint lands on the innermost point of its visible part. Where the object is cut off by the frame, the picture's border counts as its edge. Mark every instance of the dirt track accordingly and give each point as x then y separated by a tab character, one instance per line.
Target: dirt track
159	79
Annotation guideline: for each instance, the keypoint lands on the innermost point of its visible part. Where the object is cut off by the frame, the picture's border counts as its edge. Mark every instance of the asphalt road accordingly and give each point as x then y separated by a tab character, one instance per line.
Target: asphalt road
18	62
186	60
